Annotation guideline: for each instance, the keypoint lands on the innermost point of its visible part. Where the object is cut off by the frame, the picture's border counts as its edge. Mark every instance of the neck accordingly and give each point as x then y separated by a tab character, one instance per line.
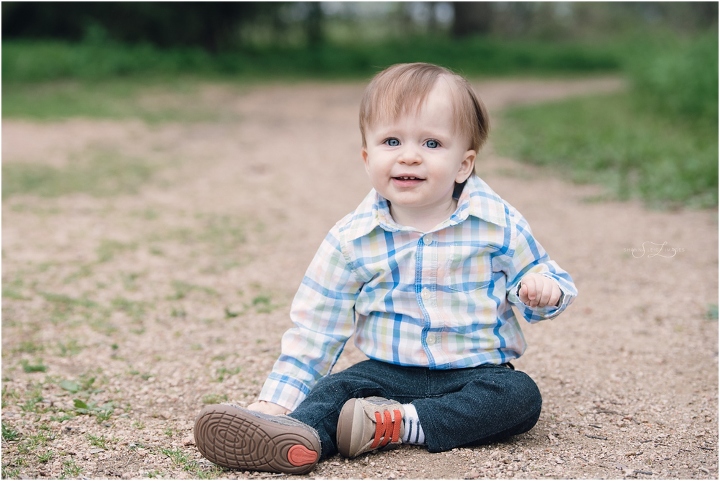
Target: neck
422	219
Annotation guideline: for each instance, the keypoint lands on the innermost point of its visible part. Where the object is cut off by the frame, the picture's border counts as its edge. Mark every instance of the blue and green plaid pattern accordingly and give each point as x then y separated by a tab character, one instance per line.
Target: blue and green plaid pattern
440	299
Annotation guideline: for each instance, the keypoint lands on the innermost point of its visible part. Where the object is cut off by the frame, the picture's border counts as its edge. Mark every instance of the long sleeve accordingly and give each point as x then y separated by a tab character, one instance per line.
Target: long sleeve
526	256
323	317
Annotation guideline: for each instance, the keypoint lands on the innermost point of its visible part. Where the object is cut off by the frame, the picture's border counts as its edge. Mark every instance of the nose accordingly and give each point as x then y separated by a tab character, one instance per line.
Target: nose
409	155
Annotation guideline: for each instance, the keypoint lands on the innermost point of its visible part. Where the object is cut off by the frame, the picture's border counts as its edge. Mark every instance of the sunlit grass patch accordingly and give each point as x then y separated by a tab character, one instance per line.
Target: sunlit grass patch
69	348
82	271
108	248
11	293
134	309
68	311
29	347
70	470
66	302
102	173
214	398
9	434
100	441
181	459
83	391
217	234
608	140
159	102
183	289
36	366
30	401
223	373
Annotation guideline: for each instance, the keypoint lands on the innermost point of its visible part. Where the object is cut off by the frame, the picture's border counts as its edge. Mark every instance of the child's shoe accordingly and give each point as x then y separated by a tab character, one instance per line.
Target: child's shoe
368	424
237	438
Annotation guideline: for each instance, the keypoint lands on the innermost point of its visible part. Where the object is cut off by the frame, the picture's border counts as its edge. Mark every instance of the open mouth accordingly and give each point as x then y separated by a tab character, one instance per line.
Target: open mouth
407	178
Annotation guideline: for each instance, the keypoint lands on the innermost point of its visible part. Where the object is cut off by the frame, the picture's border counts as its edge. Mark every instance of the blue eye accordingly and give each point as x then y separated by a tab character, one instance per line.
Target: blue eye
392	142
432	144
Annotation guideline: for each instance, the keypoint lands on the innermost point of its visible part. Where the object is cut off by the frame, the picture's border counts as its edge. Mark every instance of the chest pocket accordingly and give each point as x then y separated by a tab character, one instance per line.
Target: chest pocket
468	267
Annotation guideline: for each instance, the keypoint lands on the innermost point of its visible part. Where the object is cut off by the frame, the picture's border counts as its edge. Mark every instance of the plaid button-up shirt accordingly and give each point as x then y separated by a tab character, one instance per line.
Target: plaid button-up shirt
439	299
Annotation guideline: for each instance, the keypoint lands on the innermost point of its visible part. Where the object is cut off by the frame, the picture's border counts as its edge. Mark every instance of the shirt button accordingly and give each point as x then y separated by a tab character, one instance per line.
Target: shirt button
431	339
425	293
428	239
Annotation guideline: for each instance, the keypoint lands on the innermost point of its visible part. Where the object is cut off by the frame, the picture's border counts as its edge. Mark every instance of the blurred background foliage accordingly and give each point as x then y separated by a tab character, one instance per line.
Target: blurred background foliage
657	141
94	40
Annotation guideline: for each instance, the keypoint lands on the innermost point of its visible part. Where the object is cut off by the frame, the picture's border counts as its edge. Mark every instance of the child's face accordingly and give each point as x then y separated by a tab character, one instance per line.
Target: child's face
414	161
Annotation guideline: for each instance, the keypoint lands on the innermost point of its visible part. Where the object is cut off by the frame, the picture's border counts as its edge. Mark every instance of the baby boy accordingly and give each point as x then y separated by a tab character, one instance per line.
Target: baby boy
424	273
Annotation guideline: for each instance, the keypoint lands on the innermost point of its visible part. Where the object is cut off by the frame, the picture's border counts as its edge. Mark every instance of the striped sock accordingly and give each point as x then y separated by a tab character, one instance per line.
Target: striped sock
413	433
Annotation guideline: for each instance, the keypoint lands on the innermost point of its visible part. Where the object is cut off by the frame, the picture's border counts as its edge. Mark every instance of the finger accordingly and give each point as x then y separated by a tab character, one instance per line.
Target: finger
545	293
531	291
527	291
550	293
555	297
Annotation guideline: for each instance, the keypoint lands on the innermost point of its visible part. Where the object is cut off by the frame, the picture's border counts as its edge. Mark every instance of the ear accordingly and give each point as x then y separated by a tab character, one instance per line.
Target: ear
466	167
364	154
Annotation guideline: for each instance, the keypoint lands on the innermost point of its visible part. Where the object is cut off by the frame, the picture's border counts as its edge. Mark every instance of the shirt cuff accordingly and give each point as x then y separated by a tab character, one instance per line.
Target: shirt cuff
538	313
281	391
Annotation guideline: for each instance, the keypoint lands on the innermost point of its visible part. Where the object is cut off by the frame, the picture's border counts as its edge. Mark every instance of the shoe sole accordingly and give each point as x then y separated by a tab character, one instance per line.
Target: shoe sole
235	438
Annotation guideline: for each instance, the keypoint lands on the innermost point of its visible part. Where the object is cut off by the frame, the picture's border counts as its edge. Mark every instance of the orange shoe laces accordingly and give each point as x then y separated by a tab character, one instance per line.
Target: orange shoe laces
386	429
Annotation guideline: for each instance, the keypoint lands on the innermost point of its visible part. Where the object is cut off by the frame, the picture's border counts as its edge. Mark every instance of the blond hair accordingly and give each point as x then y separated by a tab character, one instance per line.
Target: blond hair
397	89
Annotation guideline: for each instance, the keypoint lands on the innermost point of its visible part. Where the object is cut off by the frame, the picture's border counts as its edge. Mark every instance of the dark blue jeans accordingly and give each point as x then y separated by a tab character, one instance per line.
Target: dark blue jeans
456	408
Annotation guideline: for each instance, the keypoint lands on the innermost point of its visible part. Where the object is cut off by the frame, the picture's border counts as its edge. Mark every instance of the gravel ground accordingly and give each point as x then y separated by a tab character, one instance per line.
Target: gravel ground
145	292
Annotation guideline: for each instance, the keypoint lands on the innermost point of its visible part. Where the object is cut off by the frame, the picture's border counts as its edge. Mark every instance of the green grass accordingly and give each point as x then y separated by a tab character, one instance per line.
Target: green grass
657	142
214	398
677	76
42	61
69	348
52	80
183	289
38	366
98	441
182	460
9	434
111	98
108	248
45	457
223	373
102	174
70	470
607	139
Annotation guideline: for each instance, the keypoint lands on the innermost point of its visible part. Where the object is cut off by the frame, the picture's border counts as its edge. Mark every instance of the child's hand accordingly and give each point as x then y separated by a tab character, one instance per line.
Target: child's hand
539	291
268	408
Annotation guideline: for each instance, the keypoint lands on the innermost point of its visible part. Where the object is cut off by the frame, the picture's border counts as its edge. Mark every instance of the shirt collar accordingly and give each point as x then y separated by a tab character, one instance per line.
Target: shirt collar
477	200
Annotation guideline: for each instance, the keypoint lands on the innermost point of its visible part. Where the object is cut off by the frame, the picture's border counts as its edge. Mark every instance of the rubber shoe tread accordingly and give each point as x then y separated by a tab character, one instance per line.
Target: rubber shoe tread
237	438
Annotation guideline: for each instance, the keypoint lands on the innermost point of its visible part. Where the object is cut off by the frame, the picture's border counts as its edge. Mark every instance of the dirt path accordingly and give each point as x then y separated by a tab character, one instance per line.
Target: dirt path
127	305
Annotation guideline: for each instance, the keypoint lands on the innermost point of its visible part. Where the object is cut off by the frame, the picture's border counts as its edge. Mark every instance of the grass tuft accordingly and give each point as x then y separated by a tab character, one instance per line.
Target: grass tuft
9	434
103	174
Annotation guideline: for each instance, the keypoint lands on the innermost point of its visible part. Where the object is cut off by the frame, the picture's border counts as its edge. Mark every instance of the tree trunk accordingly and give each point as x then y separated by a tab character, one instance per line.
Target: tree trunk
472	18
